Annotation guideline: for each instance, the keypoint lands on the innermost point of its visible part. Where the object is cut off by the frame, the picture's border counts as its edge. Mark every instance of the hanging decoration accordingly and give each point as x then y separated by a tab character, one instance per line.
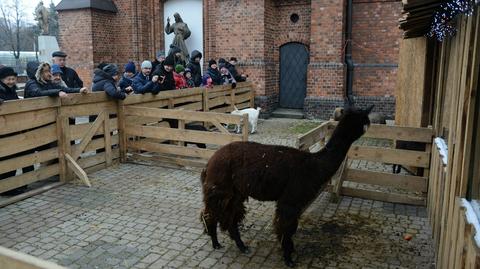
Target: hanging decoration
443	19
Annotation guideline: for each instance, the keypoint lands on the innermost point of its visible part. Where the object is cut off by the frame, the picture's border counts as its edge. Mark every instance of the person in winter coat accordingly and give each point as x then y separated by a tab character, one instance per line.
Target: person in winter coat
106	79
8	91
160	57
213	73
69	75
180	81
40	84
166	81
207	81
143	82
233	70
57	76
189	78
178	56
127	78
227	77
194	65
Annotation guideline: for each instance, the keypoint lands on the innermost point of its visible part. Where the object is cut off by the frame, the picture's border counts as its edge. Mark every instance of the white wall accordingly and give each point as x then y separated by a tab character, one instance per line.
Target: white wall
191	12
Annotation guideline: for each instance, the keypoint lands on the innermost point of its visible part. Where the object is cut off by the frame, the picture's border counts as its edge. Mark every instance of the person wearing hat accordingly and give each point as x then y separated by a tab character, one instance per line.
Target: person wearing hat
8	84
69	76
231	65
8	91
213	73
41	84
189	78
129	72
159	58
106	79
194	65
227	77
143	82
57	76
166	81
180	81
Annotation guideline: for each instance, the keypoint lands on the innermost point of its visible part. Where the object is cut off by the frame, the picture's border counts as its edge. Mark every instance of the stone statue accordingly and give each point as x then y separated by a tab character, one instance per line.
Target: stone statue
41	15
181	31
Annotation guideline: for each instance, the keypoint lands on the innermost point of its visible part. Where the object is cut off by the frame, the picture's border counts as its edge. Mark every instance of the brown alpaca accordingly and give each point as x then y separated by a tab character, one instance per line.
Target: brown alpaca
289	176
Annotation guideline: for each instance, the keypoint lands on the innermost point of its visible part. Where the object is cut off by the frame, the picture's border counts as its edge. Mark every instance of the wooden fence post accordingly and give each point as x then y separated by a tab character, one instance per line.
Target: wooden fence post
205	100
63	137
122	136
245	127
232	99
252	97
108	139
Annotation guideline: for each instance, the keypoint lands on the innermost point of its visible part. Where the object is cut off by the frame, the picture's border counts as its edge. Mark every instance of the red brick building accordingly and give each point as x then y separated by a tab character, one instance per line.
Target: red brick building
276	41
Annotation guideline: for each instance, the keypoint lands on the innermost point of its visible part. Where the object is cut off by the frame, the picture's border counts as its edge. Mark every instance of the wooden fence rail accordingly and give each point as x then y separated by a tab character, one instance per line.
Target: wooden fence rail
316	138
83	133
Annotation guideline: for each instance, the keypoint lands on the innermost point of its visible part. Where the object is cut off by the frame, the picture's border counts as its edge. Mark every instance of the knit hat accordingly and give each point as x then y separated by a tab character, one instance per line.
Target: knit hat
59	54
169	60
211	62
160	53
222	61
146	64
101	65
188	70
56	69
6	72
179	68
111	69
130	67
221	65
233	59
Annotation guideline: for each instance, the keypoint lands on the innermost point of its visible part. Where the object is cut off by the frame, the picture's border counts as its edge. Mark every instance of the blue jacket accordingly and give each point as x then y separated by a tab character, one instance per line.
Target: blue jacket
143	84
104	82
126	82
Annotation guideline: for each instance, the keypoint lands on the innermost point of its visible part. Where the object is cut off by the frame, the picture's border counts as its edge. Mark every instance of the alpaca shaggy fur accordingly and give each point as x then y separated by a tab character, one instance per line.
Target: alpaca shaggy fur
252	118
292	177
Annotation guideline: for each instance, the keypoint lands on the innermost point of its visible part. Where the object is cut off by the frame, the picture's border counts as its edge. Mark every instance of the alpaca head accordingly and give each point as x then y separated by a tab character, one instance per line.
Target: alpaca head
354	122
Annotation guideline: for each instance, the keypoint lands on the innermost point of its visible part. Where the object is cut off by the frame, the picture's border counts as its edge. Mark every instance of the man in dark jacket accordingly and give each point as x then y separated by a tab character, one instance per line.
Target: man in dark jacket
69	75
196	69
8	91
233	70
166	80
40	84
128	75
106	79
143	82
213	73
160	57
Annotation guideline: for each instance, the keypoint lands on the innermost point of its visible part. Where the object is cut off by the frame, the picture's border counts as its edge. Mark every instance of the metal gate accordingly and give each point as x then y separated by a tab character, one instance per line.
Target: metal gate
293	75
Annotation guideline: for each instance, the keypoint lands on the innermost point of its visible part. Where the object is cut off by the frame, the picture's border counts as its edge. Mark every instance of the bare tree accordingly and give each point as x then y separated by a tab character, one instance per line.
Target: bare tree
11	24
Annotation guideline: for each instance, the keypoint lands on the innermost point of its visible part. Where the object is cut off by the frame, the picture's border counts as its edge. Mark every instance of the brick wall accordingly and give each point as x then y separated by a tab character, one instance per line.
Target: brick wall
254	31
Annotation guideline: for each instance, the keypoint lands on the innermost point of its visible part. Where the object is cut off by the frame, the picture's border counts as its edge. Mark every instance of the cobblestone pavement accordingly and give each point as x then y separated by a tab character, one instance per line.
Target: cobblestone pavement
139	216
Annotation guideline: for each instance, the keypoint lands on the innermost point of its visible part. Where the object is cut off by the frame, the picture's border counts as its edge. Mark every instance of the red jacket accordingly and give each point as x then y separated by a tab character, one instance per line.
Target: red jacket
180	81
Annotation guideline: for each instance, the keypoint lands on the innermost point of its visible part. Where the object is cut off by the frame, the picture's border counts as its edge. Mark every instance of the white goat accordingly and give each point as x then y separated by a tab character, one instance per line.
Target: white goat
252	118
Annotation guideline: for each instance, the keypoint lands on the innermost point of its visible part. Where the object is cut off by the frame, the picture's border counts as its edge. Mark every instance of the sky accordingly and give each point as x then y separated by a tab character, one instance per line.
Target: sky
29	7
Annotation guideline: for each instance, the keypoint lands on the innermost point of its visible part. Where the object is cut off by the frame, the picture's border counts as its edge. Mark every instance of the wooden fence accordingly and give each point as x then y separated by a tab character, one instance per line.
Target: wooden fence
67	137
415	186
10	259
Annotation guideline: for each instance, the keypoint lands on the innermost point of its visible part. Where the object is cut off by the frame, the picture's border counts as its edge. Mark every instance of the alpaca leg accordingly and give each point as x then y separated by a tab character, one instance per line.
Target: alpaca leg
235	235
210	223
286	223
239	209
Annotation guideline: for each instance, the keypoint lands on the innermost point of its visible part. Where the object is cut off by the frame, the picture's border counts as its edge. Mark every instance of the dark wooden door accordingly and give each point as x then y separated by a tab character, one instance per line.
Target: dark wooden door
293	75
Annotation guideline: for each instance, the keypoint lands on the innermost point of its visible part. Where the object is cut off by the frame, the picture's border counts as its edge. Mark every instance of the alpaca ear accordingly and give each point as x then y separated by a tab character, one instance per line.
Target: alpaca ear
369	109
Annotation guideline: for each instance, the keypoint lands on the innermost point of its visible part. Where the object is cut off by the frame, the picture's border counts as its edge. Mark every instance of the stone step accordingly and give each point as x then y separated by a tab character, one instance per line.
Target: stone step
287	113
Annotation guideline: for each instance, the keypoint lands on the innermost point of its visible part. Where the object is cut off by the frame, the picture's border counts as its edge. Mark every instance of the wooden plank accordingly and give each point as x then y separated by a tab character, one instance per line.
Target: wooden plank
29	104
96	144
385	155
156	104
176	161
81	99
63	144
28	178
76	131
77	170
181	114
108	140
28	140
178	135
412	183
148	97
17	260
97	159
243	105
122	132
171	149
87	137
26	120
338	178
26	195
305	141
245	128
218	102
193	106
196	97
240	98
91	109
385	197
27	160
400	133
220	127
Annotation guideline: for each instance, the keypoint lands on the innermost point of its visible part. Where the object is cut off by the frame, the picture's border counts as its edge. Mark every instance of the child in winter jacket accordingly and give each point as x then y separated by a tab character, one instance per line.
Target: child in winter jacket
189	78
180	81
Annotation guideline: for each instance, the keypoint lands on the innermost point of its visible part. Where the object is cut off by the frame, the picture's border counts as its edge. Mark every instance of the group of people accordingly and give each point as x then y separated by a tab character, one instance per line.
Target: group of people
164	73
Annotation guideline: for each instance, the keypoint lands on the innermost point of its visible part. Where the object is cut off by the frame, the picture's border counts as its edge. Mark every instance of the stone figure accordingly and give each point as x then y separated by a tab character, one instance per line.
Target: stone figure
181	31
41	15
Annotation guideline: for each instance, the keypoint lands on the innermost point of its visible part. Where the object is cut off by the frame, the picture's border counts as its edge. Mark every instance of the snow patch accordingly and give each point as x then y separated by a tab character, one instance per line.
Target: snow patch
442	148
472	218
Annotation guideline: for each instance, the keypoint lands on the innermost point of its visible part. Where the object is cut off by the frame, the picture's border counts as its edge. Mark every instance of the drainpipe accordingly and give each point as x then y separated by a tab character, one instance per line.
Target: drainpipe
348	54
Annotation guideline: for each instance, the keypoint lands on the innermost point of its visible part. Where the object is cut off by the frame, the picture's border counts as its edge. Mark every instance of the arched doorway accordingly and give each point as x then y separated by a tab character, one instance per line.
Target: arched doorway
293	75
